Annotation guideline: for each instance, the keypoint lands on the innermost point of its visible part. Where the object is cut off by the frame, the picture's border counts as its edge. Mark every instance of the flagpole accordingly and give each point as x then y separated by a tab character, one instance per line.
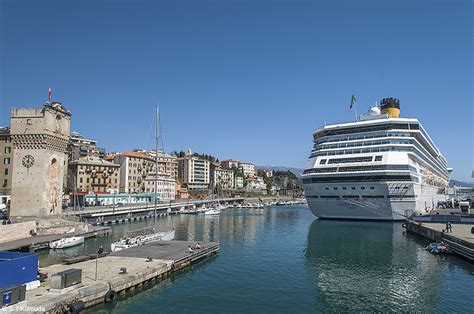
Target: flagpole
354	103
49	93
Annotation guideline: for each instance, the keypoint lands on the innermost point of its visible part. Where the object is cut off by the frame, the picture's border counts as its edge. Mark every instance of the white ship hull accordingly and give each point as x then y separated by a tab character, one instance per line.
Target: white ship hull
378	201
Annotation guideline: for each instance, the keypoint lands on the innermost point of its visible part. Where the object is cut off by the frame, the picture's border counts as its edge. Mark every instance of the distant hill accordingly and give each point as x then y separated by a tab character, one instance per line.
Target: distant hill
296	171
460	183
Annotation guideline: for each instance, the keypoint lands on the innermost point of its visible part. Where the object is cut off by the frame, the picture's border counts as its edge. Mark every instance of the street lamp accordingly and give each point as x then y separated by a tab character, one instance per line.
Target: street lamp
100	250
113	202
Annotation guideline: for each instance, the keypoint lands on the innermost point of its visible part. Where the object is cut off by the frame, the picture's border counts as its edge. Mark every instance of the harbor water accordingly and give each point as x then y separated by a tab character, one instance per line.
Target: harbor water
282	259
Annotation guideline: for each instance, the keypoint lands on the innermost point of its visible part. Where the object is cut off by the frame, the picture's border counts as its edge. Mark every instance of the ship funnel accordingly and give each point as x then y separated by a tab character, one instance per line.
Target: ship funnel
391	106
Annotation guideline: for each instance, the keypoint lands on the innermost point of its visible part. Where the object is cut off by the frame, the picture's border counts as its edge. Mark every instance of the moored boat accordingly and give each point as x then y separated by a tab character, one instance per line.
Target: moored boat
129	242
66	242
213	212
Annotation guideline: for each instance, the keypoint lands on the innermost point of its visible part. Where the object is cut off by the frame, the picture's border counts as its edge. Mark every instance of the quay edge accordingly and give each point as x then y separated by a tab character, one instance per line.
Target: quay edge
171	257
460	241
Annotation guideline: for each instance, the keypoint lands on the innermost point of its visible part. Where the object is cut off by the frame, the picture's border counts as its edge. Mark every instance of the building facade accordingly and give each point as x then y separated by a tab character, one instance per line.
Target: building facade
230	164
79	146
222	179
239	182
39	138
167	164
256	183
269	173
165	186
134	168
93	175
248	169
194	172
6	163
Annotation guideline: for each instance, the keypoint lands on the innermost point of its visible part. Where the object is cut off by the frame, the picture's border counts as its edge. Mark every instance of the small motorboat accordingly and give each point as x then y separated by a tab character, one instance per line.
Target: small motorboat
126	243
438	248
66	242
213	212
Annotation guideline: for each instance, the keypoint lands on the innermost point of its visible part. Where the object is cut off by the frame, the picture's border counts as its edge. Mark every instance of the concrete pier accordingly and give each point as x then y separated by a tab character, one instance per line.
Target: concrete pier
35	243
144	264
460	241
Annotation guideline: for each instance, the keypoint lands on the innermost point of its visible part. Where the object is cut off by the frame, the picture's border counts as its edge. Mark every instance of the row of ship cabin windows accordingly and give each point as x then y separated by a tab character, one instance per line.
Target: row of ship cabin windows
349	160
362	188
352	188
354	130
354	138
358	144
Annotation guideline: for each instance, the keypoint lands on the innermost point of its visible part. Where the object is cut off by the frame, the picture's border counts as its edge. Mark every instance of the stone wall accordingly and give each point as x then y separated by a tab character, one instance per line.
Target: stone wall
39	138
17	231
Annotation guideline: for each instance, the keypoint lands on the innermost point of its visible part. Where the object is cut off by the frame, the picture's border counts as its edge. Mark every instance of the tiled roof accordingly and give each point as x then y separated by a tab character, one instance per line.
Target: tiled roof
93	160
136	155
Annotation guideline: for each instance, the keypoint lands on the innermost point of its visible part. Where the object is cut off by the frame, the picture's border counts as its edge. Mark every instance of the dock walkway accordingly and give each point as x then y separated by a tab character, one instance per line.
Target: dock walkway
166	257
39	242
460	241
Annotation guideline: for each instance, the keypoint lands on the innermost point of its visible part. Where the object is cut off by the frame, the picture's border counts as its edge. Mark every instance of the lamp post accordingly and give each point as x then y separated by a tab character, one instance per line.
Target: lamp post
113	202
100	250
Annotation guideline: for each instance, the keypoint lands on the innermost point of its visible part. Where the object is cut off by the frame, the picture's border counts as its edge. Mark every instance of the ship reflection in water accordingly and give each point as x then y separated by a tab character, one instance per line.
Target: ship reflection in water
366	266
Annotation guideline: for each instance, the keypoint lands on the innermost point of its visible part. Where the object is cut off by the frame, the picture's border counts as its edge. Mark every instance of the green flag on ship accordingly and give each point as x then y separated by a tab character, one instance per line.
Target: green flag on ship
353	100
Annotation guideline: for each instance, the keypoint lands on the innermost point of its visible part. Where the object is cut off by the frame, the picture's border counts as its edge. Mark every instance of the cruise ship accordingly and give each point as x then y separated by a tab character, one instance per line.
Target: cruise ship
380	167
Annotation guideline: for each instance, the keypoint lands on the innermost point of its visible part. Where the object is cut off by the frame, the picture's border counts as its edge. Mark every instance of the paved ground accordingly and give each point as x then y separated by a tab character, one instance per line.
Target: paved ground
461	231
108	277
108	268
109	274
166	250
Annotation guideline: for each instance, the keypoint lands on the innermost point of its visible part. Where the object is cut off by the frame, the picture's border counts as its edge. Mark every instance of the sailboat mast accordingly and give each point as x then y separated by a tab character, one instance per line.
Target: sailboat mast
156	153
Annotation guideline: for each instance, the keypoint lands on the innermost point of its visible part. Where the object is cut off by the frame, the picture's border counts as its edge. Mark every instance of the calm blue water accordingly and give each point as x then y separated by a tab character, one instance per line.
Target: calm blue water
283	260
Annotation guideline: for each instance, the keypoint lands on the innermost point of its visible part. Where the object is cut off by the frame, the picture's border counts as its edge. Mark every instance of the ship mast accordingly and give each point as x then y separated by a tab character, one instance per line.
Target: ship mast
156	155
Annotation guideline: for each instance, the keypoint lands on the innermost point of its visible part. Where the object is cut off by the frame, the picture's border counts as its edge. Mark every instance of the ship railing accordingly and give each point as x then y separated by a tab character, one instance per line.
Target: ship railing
360	117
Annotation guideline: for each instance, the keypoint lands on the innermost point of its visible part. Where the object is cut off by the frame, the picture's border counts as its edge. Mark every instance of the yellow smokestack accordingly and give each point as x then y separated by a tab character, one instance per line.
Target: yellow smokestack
391	106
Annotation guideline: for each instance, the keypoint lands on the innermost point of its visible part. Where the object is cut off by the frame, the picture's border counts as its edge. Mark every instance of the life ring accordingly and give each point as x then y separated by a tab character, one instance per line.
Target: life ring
110	296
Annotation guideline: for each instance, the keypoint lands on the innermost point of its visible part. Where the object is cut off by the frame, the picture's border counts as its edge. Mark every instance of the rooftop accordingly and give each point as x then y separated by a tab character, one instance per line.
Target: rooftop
93	160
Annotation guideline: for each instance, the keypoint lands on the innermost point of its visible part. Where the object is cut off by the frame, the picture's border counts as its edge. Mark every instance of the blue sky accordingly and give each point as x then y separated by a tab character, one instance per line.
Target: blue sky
247	80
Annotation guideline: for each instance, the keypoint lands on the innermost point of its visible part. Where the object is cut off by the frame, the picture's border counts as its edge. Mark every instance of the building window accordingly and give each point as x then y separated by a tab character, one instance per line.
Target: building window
372	188
362	187
335	188
6	161
344	188
8	140
8	150
6	171
80	180
322	162
5	182
378	158
353	188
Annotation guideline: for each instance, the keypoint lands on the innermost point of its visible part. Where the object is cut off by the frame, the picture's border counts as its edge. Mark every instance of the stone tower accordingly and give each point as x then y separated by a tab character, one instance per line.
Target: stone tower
39	139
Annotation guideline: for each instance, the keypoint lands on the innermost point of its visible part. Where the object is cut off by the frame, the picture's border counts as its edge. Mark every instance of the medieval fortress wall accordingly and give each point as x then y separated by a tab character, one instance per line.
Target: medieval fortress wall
39	138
